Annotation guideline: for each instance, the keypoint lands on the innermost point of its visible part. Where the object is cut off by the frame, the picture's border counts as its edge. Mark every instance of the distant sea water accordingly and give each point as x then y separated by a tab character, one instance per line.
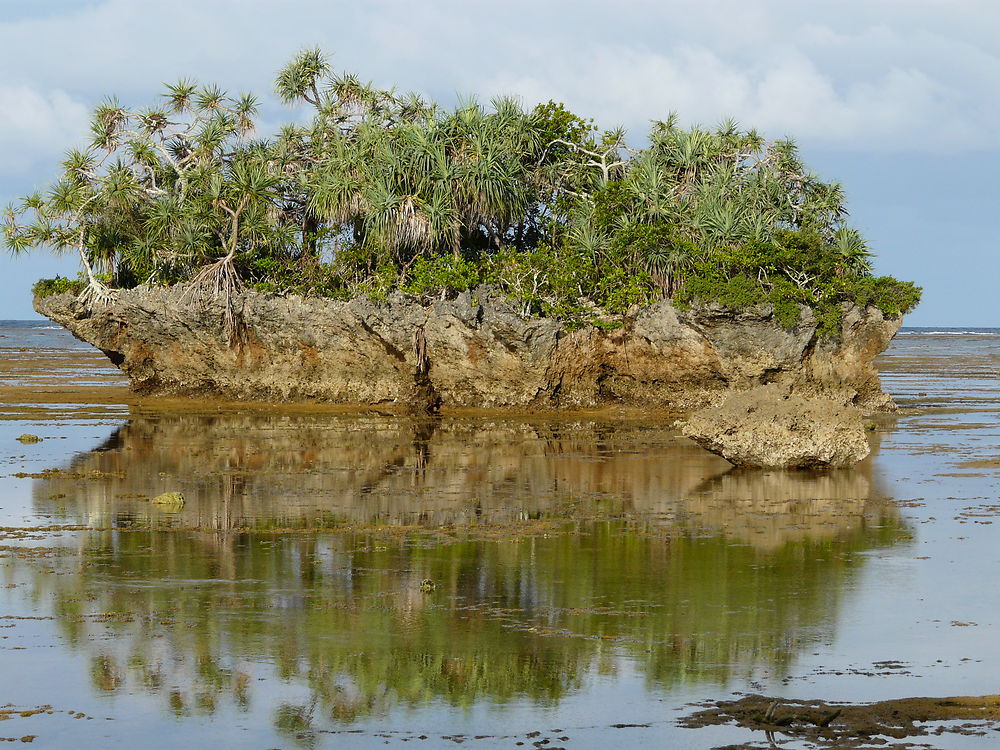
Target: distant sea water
39	335
946	331
942	366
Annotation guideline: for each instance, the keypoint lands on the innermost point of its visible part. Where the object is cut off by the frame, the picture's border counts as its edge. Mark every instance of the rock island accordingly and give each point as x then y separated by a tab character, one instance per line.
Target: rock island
393	251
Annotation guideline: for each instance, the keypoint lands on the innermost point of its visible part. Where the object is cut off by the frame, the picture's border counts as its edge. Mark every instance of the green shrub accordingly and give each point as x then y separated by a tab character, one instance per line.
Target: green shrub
735	293
58	285
275	274
829	316
618	290
787	312
795	269
891	296
445	273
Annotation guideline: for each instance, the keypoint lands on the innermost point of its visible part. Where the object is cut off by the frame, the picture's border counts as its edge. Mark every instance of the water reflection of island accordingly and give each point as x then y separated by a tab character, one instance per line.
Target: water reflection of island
653	565
262	471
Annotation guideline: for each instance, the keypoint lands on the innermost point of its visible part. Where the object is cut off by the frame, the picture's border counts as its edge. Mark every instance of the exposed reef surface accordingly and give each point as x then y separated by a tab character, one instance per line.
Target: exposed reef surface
473	351
855	725
772	428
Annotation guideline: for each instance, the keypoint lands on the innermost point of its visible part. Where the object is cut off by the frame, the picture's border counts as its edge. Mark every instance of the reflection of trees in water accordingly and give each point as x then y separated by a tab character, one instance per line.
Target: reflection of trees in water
696	573
345	615
267	471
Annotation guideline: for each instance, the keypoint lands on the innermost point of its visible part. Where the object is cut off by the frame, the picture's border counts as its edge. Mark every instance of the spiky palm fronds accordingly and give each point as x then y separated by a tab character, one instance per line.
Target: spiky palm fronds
855	258
299	79
186	190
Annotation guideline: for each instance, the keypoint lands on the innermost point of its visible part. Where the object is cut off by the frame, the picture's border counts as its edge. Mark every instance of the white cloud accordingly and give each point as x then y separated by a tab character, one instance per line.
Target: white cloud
35	126
788	95
919	75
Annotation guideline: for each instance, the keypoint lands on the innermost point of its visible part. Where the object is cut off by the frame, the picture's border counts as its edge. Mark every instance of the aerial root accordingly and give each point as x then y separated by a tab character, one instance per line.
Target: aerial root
221	280
97	294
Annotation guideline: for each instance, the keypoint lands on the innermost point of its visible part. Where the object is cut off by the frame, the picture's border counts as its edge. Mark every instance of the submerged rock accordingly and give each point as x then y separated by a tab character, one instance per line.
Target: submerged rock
476	350
27	438
769	427
169	498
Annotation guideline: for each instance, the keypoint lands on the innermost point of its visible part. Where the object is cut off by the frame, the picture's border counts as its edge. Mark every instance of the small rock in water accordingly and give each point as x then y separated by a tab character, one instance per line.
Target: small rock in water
768	428
427	585
169	498
28	438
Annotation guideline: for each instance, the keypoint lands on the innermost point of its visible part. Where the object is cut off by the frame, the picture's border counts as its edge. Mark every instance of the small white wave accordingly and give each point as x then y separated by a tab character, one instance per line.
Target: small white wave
949	333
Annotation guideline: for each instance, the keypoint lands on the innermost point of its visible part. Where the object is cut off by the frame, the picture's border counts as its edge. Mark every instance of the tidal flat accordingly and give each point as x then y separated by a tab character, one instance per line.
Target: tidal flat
338	579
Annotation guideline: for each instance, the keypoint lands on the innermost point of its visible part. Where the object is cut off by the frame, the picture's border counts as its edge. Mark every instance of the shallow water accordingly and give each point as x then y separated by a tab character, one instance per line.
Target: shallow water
362	580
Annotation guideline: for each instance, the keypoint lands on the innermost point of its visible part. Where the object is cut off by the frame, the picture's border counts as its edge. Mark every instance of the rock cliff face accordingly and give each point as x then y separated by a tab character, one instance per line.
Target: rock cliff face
473	351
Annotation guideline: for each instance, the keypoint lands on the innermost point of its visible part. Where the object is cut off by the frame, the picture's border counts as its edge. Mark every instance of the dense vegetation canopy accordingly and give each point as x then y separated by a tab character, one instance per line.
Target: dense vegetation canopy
383	192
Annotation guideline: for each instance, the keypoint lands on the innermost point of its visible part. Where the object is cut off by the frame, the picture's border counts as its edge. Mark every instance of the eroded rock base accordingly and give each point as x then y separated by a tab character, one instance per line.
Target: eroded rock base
474	351
771	427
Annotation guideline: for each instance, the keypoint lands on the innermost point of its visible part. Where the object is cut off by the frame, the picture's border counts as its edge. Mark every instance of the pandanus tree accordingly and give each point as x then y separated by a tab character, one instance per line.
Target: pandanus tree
159	193
380	188
708	192
853	255
731	186
403	179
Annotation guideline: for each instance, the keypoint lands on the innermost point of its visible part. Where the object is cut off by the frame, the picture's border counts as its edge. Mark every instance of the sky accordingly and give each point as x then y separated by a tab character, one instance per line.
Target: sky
899	100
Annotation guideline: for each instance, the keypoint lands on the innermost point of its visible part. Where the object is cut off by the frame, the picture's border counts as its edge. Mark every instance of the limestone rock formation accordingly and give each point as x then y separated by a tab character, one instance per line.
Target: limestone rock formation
769	427
475	351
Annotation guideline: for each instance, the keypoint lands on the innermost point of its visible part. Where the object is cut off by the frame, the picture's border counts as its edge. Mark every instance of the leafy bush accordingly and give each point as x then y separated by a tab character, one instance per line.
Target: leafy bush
444	274
891	296
735	292
797	270
285	275
58	285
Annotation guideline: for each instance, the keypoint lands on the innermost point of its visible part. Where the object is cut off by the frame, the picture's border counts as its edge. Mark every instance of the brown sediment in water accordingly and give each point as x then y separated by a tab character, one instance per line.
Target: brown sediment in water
852	725
990	463
55	384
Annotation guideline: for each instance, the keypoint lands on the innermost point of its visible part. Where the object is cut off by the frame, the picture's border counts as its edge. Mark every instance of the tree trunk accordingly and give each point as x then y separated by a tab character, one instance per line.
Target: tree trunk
310	229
